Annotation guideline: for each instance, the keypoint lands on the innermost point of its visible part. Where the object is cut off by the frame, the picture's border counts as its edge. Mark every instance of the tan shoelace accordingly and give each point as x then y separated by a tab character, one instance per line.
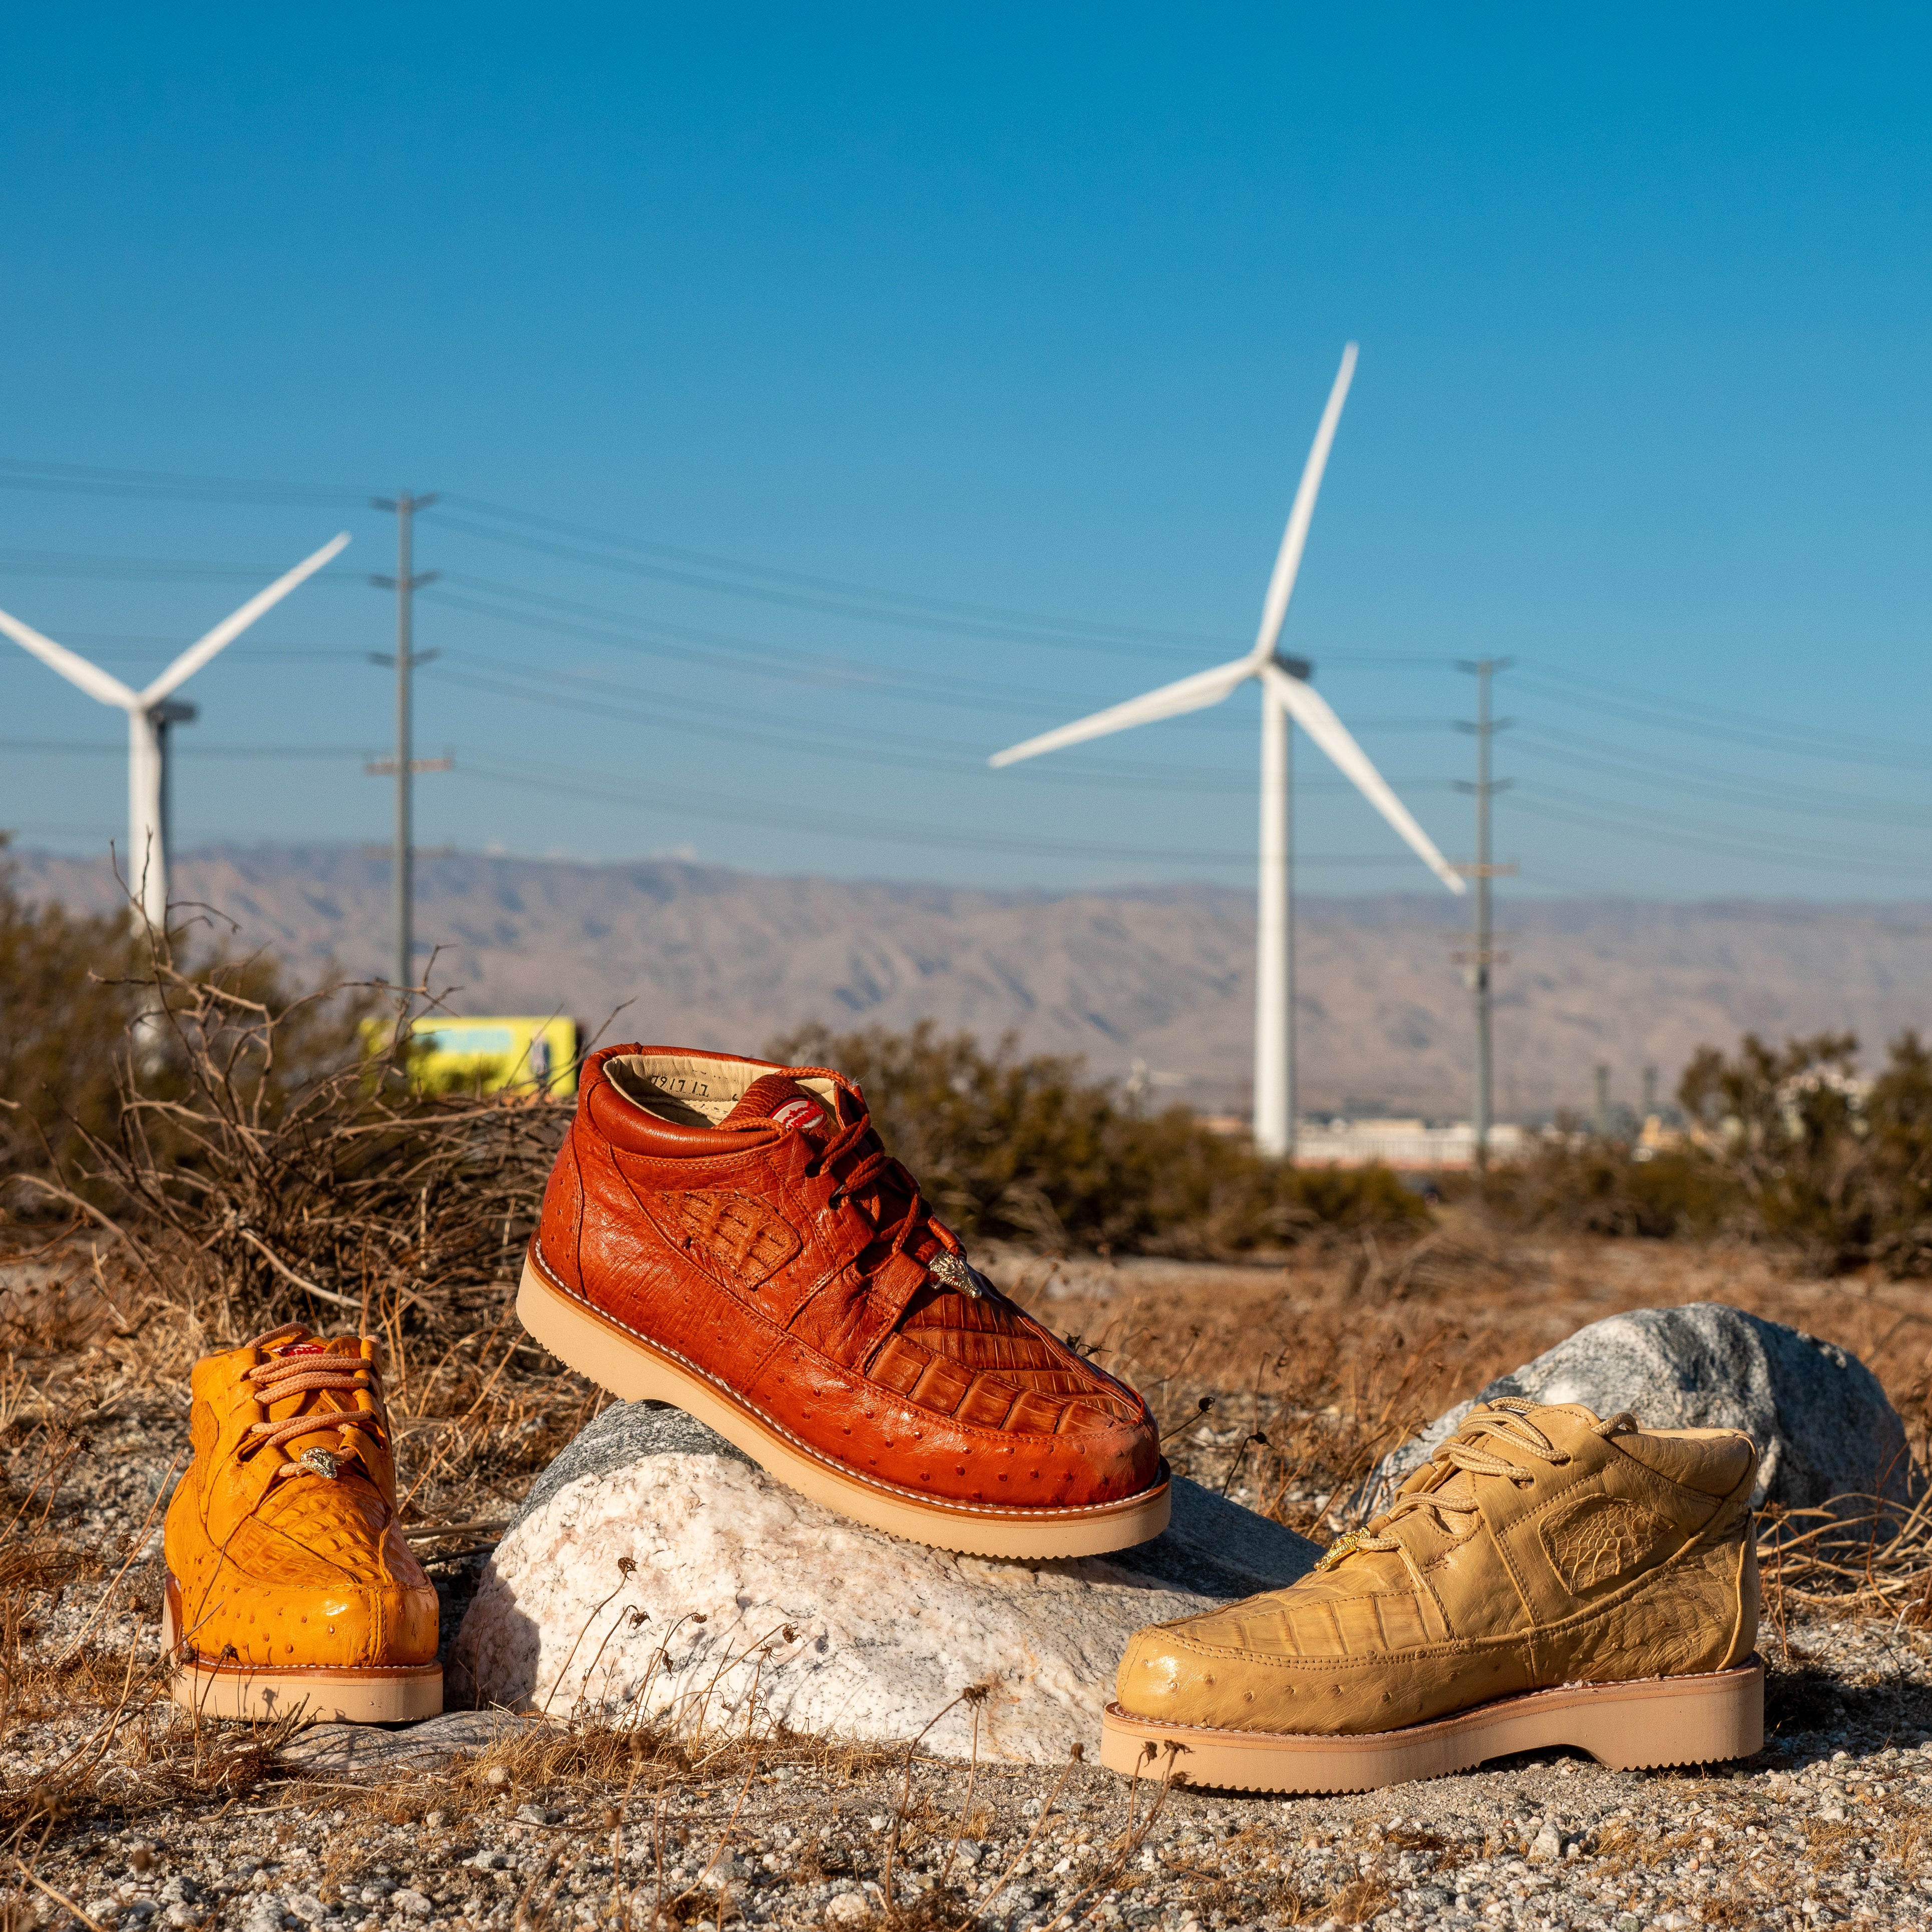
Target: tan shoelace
284	1375
1506	1418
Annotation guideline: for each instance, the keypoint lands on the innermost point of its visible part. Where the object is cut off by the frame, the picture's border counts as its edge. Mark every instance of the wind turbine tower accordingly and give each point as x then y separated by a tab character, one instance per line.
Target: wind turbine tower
1286	695
151	714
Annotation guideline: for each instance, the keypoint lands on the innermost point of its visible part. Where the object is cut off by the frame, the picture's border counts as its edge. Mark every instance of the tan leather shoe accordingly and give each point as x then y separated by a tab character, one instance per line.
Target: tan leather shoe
1546	1579
730	1237
289	1582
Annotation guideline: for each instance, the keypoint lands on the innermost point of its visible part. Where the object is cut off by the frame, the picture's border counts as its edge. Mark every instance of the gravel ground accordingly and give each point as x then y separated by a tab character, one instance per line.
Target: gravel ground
116	1808
474	1824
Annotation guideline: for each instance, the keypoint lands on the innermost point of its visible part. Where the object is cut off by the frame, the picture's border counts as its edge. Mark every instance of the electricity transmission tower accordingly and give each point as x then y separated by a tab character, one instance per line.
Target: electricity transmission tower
1479	961
406	583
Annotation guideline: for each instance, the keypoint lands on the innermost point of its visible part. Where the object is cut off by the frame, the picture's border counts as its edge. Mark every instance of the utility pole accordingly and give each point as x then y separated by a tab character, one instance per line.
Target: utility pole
1479	962
406	583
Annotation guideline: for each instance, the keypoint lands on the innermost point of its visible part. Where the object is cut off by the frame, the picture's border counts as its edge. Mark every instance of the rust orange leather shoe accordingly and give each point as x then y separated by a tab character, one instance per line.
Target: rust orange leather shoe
729	1236
289	1582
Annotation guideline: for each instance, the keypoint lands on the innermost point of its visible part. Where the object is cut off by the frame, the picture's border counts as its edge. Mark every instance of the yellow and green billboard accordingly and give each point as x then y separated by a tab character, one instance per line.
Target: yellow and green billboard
486	1055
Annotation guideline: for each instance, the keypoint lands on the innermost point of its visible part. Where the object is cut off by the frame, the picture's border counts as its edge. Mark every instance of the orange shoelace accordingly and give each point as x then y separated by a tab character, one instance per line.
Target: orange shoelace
1505	1418
284	1375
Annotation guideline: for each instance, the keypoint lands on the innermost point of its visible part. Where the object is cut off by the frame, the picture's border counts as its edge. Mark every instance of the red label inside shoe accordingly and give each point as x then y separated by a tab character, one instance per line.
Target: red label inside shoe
303	1348
800	1114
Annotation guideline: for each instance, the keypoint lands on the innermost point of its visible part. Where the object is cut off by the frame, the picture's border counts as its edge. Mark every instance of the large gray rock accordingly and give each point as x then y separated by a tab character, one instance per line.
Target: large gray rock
745	1603
1821	1424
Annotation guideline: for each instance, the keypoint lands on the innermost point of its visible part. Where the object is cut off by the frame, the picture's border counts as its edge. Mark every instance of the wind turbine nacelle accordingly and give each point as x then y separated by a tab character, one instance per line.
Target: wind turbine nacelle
1294	667
174	711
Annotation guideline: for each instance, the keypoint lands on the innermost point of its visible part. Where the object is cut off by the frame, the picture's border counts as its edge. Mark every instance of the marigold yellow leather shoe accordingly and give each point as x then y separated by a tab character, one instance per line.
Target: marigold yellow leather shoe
289	1582
1546	1579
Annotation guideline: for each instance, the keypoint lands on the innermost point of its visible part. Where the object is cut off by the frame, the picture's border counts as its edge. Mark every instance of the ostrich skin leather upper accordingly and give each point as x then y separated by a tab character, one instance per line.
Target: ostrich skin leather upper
1539	1546
743	1220
283	1547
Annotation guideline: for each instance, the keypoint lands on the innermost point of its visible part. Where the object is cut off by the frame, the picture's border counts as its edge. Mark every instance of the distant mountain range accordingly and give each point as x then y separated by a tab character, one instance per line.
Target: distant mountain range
1165	975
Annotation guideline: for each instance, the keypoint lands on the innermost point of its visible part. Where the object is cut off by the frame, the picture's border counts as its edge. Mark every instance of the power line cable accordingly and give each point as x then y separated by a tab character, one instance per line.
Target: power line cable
1789	740
1680	835
603	700
1807	800
858	676
532	775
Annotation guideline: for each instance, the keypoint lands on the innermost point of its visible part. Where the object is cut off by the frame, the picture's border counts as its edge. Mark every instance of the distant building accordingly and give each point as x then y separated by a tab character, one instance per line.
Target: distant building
1409	1145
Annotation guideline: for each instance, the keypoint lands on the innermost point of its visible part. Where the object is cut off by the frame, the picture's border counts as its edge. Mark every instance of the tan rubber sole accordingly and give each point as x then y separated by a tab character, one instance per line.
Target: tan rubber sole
374	1696
1663	1721
629	1367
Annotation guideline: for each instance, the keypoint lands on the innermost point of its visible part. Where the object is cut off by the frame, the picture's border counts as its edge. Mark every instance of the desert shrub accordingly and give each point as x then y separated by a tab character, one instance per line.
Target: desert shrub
259	1165
65	1009
1028	1146
94	1015
1785	1127
1787	1144
1595	1187
237	1136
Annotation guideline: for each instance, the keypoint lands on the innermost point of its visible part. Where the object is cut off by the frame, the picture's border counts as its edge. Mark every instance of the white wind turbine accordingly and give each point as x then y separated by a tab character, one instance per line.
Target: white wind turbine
149	714
1285	693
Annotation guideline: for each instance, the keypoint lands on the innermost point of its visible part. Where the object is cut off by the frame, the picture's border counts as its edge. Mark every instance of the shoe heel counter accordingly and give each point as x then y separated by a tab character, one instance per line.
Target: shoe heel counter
560	1226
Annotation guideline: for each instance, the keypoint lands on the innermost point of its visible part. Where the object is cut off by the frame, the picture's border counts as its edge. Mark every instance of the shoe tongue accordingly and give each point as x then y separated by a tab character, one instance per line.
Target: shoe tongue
778	1097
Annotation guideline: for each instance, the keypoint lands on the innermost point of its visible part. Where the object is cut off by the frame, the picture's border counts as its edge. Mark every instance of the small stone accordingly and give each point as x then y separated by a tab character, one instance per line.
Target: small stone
306	1907
410	1903
729	1869
877	1822
1546	1847
496	1776
848	1908
436	1820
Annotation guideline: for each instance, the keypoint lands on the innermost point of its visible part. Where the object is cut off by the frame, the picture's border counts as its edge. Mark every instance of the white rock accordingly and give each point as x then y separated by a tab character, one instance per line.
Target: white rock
1823	1425
739	1589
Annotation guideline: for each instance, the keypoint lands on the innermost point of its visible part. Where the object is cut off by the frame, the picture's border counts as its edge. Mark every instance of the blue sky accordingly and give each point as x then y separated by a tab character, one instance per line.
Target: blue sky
1027	313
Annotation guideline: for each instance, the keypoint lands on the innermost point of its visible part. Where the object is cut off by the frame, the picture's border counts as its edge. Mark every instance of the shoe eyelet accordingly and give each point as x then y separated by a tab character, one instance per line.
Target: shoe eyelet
811	1170
835	1199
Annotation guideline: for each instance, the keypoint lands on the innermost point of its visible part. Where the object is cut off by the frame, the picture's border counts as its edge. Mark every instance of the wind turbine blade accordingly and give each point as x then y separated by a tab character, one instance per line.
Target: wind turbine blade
1295	538
230	628
1310	710
1188	693
92	679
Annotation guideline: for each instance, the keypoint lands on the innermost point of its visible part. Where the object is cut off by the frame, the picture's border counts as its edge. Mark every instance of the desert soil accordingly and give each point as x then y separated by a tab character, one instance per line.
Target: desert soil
120	1812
